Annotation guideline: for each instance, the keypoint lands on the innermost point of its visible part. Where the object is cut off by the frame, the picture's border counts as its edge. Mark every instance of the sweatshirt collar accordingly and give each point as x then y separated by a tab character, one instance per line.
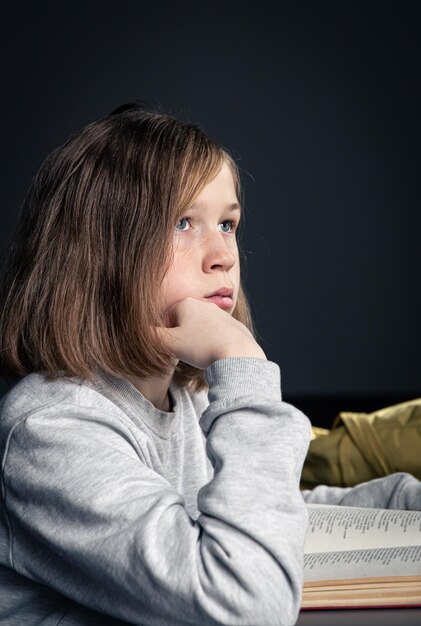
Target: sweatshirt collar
125	395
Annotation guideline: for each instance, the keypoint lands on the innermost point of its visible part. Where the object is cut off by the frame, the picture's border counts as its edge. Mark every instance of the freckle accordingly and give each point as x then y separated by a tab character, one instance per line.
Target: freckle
186	253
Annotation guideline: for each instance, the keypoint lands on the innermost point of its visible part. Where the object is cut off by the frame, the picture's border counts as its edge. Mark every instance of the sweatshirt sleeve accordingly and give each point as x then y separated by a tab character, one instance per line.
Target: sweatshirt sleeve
396	491
89	519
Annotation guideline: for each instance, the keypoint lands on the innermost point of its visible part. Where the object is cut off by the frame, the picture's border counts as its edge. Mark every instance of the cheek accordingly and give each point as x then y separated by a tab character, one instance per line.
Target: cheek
176	279
236	268
180	266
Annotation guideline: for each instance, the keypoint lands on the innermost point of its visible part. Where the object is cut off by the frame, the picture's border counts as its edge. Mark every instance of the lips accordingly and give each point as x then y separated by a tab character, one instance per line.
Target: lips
222	298
224	292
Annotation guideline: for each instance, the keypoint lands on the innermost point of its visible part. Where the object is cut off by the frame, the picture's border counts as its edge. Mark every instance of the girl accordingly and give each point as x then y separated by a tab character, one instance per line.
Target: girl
150	469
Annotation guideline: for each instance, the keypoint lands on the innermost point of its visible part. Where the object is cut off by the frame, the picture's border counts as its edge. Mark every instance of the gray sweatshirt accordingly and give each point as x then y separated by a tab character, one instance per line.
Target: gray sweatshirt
114	512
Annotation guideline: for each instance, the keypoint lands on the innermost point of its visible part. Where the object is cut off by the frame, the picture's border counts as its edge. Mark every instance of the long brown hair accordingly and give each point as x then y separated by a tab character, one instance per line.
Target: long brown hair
78	290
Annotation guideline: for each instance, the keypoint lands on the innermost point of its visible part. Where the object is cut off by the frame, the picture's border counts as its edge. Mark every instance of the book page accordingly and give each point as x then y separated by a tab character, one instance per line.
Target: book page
401	561
333	528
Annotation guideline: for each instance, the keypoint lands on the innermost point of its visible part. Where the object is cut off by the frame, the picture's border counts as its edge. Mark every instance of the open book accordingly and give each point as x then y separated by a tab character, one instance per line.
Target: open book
361	557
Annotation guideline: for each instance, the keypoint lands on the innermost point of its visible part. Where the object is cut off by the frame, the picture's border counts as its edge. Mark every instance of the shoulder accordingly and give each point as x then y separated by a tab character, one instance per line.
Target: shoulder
62	432
36	392
38	408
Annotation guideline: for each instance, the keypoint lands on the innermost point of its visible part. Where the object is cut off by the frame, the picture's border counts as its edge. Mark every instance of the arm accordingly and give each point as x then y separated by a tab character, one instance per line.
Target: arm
89	519
396	491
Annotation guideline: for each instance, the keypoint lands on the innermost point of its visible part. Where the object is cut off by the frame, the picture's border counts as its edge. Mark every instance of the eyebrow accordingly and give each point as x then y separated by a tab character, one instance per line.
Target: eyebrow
228	207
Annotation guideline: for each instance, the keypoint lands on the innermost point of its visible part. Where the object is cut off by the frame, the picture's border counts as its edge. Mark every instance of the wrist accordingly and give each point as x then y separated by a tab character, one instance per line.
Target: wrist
255	353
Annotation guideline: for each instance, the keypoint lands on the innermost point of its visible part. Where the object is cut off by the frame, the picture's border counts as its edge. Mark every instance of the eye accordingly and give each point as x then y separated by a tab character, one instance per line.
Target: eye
182	221
232	225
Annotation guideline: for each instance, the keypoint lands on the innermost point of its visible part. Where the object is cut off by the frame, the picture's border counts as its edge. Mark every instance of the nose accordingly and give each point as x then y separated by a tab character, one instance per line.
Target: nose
218	252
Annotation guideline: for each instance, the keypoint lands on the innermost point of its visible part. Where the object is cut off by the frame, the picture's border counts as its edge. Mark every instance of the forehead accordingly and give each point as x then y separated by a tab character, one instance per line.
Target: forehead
220	191
230	206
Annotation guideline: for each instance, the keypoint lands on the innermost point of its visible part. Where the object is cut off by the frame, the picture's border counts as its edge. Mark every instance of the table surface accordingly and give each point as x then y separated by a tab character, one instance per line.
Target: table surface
361	617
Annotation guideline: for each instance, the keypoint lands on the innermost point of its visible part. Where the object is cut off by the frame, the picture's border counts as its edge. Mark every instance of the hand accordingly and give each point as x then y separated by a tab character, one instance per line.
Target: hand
201	333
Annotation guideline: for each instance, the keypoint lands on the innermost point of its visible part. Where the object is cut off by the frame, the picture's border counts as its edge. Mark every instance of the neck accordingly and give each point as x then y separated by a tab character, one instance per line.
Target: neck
155	389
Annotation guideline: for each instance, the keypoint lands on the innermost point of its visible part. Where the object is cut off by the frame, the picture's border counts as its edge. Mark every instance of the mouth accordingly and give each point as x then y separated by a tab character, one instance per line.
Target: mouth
223	297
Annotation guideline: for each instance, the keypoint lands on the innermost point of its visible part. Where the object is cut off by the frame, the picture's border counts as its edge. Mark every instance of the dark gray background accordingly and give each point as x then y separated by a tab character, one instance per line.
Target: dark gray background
318	101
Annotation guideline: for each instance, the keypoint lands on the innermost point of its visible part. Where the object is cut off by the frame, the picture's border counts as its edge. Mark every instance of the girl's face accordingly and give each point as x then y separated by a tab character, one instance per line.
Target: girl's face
205	251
